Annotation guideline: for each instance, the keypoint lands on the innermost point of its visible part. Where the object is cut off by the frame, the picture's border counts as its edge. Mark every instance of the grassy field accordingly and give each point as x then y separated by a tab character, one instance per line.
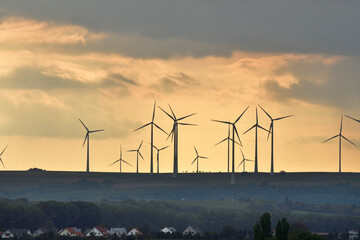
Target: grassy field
64	186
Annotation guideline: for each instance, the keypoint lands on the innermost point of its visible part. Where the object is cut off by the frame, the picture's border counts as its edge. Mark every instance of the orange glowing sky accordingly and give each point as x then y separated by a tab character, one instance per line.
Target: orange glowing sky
107	63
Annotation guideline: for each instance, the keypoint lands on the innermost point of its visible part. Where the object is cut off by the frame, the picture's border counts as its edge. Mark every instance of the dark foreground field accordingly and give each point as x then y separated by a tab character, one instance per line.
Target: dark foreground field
332	188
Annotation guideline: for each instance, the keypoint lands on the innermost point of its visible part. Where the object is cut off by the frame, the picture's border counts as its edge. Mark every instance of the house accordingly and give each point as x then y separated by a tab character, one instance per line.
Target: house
71	231
169	230
134	232
117	231
192	231
97	232
41	231
19	232
353	234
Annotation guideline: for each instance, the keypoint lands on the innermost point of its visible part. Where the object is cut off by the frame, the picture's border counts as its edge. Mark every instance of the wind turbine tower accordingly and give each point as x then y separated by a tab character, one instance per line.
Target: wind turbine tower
228	139
175	135
256	126
87	138
340	136
197	160
158	155
137	156
234	130
152	124
120	160
244	161
271	131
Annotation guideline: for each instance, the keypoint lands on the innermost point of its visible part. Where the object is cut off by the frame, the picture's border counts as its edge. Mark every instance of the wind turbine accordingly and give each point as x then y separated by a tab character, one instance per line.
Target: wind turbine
152	124
1	158
234	130
244	161
137	156
256	126
175	135
271	130
87	137
158	155
228	139
197	160
120	160
340	136
352	118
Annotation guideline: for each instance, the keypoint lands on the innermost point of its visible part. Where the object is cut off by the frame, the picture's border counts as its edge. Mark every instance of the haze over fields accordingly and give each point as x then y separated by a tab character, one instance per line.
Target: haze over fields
106	62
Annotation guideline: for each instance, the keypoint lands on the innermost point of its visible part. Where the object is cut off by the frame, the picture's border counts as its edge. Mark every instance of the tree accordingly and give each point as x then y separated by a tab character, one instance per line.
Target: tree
262	228
282	229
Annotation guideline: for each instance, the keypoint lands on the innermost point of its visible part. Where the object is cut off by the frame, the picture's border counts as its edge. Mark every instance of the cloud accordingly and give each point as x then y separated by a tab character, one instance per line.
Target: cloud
36	77
157	28
18	30
331	84
175	82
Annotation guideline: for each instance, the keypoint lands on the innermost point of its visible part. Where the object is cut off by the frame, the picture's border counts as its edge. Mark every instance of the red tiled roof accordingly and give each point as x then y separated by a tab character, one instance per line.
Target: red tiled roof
103	231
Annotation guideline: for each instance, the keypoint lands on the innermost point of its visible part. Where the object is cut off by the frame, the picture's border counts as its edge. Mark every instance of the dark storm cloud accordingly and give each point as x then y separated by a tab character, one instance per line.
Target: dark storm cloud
34	78
165	28
175	82
336	85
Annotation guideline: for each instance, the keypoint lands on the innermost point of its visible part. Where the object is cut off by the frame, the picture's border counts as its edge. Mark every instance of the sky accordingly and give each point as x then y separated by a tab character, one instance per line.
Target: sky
106	62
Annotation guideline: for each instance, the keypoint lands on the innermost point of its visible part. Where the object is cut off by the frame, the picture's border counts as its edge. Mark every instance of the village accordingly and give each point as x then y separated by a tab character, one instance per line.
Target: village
97	231
165	233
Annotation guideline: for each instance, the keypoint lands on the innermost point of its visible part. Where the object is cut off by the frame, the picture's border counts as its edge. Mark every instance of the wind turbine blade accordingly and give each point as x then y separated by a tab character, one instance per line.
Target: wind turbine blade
234	141
262	128
249	160
154	146
349	141
221	121
257	119
3	150
153	116
341	124
2	163
221	141
120	151
186	116
229	131
203	157
266	113
83	125
194	160
188	124
196	151
172	111
86	136
237	134
242	154
352	118
141	155
330	138
163	148
241	115
133	150
283	117
114	163
140	144
240	164
249	129
141	127
160	128
97	131
126	162
270	129
167	113
171	133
